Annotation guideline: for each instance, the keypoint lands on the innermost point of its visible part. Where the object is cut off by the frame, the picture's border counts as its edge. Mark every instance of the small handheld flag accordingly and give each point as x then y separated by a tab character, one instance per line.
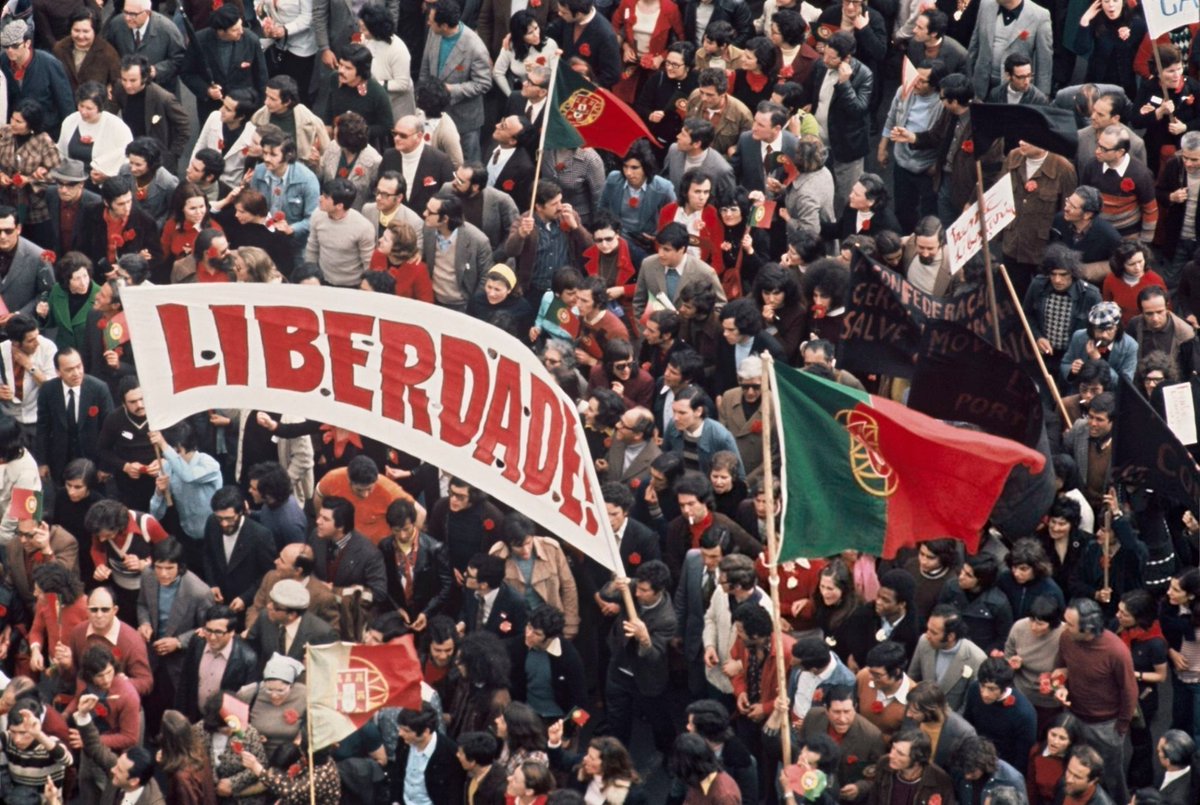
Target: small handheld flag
116	332
26	504
763	215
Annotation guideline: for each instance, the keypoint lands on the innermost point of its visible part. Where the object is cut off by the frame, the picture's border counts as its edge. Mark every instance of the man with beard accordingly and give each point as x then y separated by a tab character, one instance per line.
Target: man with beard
487	207
925	259
125	450
238	551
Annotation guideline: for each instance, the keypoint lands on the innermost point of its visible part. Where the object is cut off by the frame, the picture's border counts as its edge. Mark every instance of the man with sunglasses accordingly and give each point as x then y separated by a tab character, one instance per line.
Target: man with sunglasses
102	628
491	210
424	167
67	201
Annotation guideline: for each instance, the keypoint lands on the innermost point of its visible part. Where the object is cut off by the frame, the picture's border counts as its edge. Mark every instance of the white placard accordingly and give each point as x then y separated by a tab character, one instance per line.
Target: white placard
1181	411
1164	16
963	236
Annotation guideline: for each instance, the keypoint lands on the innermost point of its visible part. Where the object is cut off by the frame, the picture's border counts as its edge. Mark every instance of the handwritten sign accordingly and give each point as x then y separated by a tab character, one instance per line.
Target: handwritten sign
1181	411
963	237
1164	16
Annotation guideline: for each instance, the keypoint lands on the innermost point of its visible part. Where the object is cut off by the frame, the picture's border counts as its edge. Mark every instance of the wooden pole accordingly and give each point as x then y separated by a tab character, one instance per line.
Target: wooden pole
308	717
1107	537
1166	92
781	700
1058	400
537	169
987	252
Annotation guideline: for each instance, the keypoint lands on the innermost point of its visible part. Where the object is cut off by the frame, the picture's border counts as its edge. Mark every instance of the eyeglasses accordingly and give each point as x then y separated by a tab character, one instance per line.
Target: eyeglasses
216	632
381	194
402	134
27	534
670	63
8	230
750	386
101	610
623	365
1107	150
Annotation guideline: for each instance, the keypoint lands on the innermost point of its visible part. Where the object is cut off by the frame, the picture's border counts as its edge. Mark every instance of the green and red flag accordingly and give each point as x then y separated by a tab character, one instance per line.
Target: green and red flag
865	473
235	713
561	314
116	332
580	113
347	683
26	504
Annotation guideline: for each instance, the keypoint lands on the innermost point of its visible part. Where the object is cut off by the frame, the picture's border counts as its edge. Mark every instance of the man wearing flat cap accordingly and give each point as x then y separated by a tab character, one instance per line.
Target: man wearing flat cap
67	201
35	75
288	626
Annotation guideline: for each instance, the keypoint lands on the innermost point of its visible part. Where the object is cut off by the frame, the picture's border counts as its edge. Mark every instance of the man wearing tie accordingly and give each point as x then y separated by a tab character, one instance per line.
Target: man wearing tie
344	557
289	626
697	583
510	168
530	102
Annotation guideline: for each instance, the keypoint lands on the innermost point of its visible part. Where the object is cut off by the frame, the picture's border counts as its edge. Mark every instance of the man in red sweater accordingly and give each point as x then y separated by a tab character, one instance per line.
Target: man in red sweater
1101	690
127	646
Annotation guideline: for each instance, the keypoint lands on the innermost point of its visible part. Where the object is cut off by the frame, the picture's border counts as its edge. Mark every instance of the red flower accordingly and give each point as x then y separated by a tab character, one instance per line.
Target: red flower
18	180
1030	186
101	710
787	72
291	716
635	558
489	524
217	4
558	166
116	652
608	441
362	88
1127	185
93	411
540	60
756	426
278	191
866	225
343	173
293	771
936	799
535	3
141	194
129	235
49	257
634	201
85	139
460	68
507	185
1010	700
505	626
245	150
1024	35
1045	686
635	483
356	37
585	50
358	171
220	144
876	706
237	746
116	241
428	138
429	181
852	759
278	215
819	311
818	696
968	146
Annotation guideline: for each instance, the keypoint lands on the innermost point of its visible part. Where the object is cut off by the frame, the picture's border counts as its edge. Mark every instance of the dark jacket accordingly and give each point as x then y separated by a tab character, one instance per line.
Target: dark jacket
566	675
434	169
252	557
165	121
242	669
649	664
1171	177
597	45
679	541
432	578
264	638
1084	296
360	563
933	783
202	67
735	12
46	82
53	444
93	238
90	206
848	111
962	161
443	774
507	618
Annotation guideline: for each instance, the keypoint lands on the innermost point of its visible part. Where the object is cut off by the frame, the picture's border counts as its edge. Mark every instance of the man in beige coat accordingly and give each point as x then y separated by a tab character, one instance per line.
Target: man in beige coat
536	569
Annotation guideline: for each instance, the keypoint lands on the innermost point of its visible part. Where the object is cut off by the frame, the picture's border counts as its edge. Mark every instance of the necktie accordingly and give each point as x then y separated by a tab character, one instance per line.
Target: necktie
707	588
672	283
18	381
283	646
137	39
332	560
479	613
529	111
768	162
72	421
496	157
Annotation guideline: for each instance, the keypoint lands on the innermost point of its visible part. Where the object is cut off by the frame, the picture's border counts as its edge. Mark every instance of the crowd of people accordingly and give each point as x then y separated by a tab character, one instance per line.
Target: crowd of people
392	147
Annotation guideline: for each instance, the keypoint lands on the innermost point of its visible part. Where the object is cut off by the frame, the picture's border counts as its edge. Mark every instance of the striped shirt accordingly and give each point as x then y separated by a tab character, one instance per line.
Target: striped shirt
32	765
1128	194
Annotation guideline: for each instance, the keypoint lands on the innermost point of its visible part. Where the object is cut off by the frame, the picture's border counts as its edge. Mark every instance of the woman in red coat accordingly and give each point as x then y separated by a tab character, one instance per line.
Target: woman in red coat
397	255
609	259
645	28
61	606
705	230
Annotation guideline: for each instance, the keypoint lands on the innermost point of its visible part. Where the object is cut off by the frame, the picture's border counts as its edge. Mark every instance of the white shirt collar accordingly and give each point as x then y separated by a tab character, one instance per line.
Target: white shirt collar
427	752
1171	776
114	632
1120	167
132	797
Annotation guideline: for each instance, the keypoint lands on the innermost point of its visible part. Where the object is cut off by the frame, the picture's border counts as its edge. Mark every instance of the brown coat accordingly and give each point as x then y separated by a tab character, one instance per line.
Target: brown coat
944	281
66	553
551	579
102	63
734	120
1026	238
747	432
322	602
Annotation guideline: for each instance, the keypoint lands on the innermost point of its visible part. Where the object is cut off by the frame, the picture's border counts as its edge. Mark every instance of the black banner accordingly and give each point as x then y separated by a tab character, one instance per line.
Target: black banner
960	377
1147	453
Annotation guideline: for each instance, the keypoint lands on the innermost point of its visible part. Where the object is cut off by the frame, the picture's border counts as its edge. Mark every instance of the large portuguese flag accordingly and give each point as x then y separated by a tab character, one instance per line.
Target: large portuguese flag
867	473
580	113
348	682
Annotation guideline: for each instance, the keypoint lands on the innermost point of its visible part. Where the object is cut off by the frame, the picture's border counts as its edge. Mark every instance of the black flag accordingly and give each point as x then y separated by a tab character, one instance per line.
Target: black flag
1044	126
1148	454
878	332
960	377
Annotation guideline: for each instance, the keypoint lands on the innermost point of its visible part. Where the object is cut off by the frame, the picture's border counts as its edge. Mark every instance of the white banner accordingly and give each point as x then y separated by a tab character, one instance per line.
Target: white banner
440	385
1164	16
963	237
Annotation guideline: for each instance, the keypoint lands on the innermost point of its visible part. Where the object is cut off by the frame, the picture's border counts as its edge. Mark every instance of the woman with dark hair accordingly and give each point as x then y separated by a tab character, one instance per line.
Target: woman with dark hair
788	30
70	300
1048	759
231	775
354	158
604	409
1179	618
1068	484
753	80
694	764
93	136
524	736
777	292
1138	628
153	184
826	283
1166	119
1029	575
984	608
644	28
433	99
85	54
182	758
1153	370
1031	648
666	93
287	777
1108	36
742	249
809	200
477	687
27	155
698	326
842	615
501	295
390	59
868	210
526	43
618	371
61	606
610	257
696	210
189	216
1129	272
605	773
935	564
80	490
636	194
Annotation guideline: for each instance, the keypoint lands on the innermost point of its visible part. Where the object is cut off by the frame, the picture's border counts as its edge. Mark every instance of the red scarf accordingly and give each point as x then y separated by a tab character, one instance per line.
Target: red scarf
699	528
1140	635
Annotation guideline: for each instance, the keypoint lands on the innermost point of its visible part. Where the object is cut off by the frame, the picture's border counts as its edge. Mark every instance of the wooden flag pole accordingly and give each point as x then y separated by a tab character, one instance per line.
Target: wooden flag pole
987	252
308	717
537	168
1037	353
1166	92
782	705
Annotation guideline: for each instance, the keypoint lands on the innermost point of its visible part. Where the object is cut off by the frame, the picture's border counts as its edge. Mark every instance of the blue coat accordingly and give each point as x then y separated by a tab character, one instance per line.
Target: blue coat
658	193
301	192
45	82
713	438
1122	359
1005	775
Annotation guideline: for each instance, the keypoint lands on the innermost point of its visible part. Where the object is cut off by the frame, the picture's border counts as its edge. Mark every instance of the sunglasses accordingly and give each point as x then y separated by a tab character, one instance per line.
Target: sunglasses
100	609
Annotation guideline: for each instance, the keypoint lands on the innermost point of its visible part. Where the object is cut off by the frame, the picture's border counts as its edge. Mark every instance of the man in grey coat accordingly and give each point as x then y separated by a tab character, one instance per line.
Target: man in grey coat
1010	26
945	656
457	253
27	276
455	55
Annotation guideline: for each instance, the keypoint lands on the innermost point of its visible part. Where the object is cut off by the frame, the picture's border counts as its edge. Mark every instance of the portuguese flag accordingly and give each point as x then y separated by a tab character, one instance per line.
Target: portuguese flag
26	504
864	473
347	683
580	113
116	332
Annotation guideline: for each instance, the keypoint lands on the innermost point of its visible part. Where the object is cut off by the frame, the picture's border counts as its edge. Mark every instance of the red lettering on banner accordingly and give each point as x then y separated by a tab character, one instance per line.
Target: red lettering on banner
177	333
400	378
288	331
235	349
503	424
340	328
459	358
571	508
543	408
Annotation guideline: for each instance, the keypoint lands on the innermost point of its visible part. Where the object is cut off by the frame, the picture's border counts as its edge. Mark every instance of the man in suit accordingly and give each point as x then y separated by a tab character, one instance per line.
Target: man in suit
487	780
116	195
465	69
418	572
296	561
895	613
1110	109
156	112
692	150
220	661
426	768
945	643
288	626
587	34
491	210
847	119
423	167
67	201
130	774
757	160
547	668
38	543
711	101
910	761
742	326
490	604
238	551
927	705
222	57
390	193
28	275
633	449
142	32
344	557
740	411
698	581
168	633
671	269
1176	751
1018	85
456	252
1010	26
509	168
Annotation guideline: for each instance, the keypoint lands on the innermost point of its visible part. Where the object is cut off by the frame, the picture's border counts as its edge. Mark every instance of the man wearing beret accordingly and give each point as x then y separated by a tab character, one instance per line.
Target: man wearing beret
288	626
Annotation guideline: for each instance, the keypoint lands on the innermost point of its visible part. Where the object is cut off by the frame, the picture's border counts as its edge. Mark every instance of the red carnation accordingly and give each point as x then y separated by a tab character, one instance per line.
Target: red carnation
278	191
851	759
93	410
787	72
1127	185
540	60
558	166
220	144
141	194
1010	700
85	139
460	68
278	215
535	3
3	610
968	146
866	226
429	181
293	771
18	180
116	652
49	257
129	235
634	201
585	50
291	716
489	524
358	171
101	710
237	747
356	37
505	626
635	483
635	558
1045	686
245	150
876	706
343	173
428	138
507	185
1024	35
936	799
116	241
756	426
1030	186
217	4
818	696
